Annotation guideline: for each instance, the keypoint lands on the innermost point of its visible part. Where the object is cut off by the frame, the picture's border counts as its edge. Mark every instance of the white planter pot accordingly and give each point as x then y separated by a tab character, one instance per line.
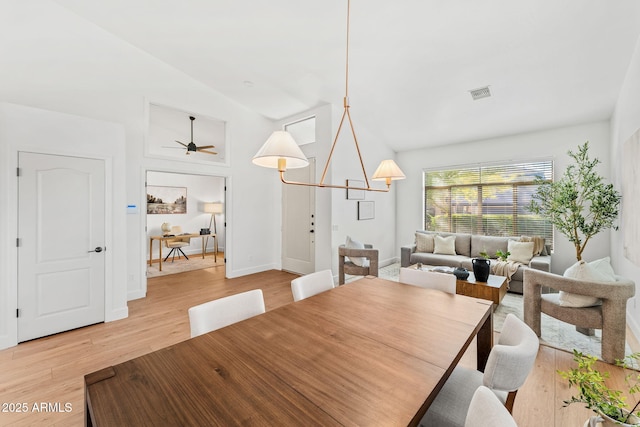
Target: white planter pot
605	421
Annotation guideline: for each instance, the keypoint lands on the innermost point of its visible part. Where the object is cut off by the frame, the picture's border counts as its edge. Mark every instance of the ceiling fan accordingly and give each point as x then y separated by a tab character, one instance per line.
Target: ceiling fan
191	147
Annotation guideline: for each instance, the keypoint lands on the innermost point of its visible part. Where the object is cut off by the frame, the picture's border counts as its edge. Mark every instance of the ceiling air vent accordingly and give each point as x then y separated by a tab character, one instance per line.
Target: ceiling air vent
482	92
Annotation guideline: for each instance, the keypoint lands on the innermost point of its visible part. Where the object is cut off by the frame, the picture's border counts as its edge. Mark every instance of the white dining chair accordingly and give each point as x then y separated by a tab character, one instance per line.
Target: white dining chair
311	284
486	409
428	279
225	311
508	366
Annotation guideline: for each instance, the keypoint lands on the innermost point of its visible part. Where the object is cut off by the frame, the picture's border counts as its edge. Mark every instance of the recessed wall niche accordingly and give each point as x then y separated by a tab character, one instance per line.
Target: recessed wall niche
185	136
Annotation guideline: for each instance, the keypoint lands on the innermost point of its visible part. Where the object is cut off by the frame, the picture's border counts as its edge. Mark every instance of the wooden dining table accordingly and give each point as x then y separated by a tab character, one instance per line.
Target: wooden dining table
371	352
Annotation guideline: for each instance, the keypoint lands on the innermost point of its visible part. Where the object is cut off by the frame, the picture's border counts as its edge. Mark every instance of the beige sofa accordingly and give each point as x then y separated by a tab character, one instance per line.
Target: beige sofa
469	246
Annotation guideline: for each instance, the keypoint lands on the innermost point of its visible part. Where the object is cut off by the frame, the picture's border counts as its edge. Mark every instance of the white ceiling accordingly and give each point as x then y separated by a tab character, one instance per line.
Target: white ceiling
549	63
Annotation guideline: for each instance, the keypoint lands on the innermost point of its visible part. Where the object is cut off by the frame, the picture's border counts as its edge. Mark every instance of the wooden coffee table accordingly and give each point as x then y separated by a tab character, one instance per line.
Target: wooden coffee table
494	289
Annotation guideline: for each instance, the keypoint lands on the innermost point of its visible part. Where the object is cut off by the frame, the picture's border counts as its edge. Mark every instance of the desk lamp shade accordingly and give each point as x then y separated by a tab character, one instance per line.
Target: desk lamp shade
213	208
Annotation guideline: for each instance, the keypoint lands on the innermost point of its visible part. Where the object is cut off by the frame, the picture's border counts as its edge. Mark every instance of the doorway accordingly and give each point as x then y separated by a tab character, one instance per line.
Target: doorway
192	213
61	255
299	221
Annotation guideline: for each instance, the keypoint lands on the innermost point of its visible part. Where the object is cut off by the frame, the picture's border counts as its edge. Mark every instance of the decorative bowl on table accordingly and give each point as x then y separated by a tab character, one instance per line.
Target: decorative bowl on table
461	273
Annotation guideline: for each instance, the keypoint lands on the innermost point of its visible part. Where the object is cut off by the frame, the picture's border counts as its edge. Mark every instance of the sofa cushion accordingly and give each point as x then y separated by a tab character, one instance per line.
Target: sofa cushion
520	251
437	260
463	240
539	247
424	242
444	245
488	244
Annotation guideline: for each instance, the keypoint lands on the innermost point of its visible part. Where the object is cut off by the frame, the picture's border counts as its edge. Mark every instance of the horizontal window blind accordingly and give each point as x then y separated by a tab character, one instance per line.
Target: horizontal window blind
490	200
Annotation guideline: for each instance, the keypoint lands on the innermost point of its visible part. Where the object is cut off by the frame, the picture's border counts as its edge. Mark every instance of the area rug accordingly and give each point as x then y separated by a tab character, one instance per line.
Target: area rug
195	262
555	333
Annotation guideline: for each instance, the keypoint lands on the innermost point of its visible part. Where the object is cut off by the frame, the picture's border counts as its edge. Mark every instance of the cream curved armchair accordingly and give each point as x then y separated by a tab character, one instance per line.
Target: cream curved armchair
508	367
348	267
611	316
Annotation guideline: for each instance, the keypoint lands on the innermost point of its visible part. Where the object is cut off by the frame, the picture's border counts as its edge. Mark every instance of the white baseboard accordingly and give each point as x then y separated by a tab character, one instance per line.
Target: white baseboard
252	270
121	313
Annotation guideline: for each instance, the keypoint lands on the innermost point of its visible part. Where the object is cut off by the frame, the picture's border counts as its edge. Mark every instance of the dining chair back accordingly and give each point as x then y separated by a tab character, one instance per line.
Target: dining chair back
486	409
508	366
428	279
311	284
225	311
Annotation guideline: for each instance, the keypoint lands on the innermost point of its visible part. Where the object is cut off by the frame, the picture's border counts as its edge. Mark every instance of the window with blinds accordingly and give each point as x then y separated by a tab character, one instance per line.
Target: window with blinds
490	200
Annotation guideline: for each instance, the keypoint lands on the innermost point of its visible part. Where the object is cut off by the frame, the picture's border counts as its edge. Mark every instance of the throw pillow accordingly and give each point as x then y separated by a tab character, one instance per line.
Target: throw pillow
603	266
520	251
359	261
424	242
444	245
538	244
583	271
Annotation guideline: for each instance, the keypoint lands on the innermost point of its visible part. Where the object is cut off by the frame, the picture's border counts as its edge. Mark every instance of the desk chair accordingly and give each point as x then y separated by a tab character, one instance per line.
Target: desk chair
311	284
177	244
486	410
428	279
508	366
225	311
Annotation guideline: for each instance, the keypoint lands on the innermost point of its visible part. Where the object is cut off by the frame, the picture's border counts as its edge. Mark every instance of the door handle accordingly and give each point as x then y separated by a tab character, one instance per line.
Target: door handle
311	231
98	249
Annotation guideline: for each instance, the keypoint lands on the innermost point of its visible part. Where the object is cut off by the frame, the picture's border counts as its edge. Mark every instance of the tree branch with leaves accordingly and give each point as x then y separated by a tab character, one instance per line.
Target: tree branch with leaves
580	204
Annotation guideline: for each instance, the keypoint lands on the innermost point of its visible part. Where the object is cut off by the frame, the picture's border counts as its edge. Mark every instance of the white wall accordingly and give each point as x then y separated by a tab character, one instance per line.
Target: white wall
200	190
35	130
54	60
552	143
379	231
336	216
625	121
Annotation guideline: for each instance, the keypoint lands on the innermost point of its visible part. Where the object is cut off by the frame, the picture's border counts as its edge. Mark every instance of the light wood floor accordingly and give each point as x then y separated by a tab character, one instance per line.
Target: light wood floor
51	370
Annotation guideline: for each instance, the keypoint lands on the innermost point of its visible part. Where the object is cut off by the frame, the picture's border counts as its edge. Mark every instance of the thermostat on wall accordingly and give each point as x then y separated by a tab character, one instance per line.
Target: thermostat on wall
132	209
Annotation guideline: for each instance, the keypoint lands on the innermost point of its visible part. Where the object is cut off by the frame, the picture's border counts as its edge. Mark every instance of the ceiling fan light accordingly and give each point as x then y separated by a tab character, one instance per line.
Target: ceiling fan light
280	146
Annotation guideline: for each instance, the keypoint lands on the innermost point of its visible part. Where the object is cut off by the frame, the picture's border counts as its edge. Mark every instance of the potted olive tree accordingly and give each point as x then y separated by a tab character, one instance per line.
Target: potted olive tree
609	404
580	204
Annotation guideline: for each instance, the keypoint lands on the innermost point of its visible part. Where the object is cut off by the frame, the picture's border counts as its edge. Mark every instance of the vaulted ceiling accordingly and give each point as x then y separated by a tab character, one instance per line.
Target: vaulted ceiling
548	63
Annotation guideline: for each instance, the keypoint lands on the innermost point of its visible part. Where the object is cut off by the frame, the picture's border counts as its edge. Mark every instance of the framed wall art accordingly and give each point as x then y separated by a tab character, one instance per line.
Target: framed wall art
166	200
355	194
366	210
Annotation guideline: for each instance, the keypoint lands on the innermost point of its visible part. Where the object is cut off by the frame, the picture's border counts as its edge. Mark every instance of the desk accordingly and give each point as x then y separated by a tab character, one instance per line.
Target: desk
163	238
372	352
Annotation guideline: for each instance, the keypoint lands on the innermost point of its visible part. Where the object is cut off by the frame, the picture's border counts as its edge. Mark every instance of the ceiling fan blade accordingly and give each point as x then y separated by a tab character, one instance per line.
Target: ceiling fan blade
208	152
200	147
184	145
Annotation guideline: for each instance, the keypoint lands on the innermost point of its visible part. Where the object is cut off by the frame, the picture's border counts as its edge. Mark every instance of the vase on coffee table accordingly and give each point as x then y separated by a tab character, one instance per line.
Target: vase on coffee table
481	269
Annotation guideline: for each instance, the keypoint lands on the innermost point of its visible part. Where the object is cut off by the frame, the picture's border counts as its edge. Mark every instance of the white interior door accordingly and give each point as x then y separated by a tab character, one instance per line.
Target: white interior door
61	255
298	221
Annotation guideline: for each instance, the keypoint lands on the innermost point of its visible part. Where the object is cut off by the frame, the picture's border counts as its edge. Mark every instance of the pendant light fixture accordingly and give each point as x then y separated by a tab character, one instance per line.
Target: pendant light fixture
281	151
